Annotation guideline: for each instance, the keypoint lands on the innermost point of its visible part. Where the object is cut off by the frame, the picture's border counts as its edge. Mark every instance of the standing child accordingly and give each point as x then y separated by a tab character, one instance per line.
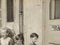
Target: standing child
5	39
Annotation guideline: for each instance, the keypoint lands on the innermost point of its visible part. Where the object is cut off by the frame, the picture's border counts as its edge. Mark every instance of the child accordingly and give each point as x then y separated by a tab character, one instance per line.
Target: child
19	39
5	39
33	38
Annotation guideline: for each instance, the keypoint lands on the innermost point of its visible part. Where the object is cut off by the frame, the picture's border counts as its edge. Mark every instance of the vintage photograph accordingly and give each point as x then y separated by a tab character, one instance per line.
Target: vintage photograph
17	23
29	22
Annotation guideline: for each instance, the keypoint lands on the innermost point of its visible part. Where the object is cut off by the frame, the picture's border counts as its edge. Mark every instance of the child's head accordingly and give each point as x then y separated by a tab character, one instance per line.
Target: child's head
20	37
34	37
6	32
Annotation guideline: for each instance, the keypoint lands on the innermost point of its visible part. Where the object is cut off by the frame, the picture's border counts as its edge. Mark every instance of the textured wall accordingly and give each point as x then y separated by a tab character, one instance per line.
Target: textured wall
32	19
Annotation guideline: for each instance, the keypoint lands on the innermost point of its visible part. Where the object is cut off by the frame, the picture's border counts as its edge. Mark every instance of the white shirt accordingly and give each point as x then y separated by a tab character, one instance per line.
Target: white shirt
5	41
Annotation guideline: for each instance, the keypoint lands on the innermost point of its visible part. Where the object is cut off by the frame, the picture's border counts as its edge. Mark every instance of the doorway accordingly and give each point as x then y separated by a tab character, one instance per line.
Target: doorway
52	31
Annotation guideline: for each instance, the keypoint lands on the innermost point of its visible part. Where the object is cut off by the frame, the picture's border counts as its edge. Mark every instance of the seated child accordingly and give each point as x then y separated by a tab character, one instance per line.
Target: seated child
33	38
5	39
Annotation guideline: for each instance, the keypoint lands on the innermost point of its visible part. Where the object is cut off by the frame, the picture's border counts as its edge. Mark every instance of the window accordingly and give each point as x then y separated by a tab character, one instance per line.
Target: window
55	9
10	11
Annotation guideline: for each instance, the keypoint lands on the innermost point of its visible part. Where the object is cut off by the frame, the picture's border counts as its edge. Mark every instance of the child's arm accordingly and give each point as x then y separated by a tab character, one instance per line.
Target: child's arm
11	42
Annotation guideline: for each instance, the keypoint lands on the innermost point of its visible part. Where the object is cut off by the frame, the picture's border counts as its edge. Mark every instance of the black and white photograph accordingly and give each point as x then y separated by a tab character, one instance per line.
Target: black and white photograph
20	22
29	22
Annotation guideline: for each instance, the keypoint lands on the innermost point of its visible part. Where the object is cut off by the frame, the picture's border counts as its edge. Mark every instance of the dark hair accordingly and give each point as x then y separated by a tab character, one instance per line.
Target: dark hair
33	35
21	37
